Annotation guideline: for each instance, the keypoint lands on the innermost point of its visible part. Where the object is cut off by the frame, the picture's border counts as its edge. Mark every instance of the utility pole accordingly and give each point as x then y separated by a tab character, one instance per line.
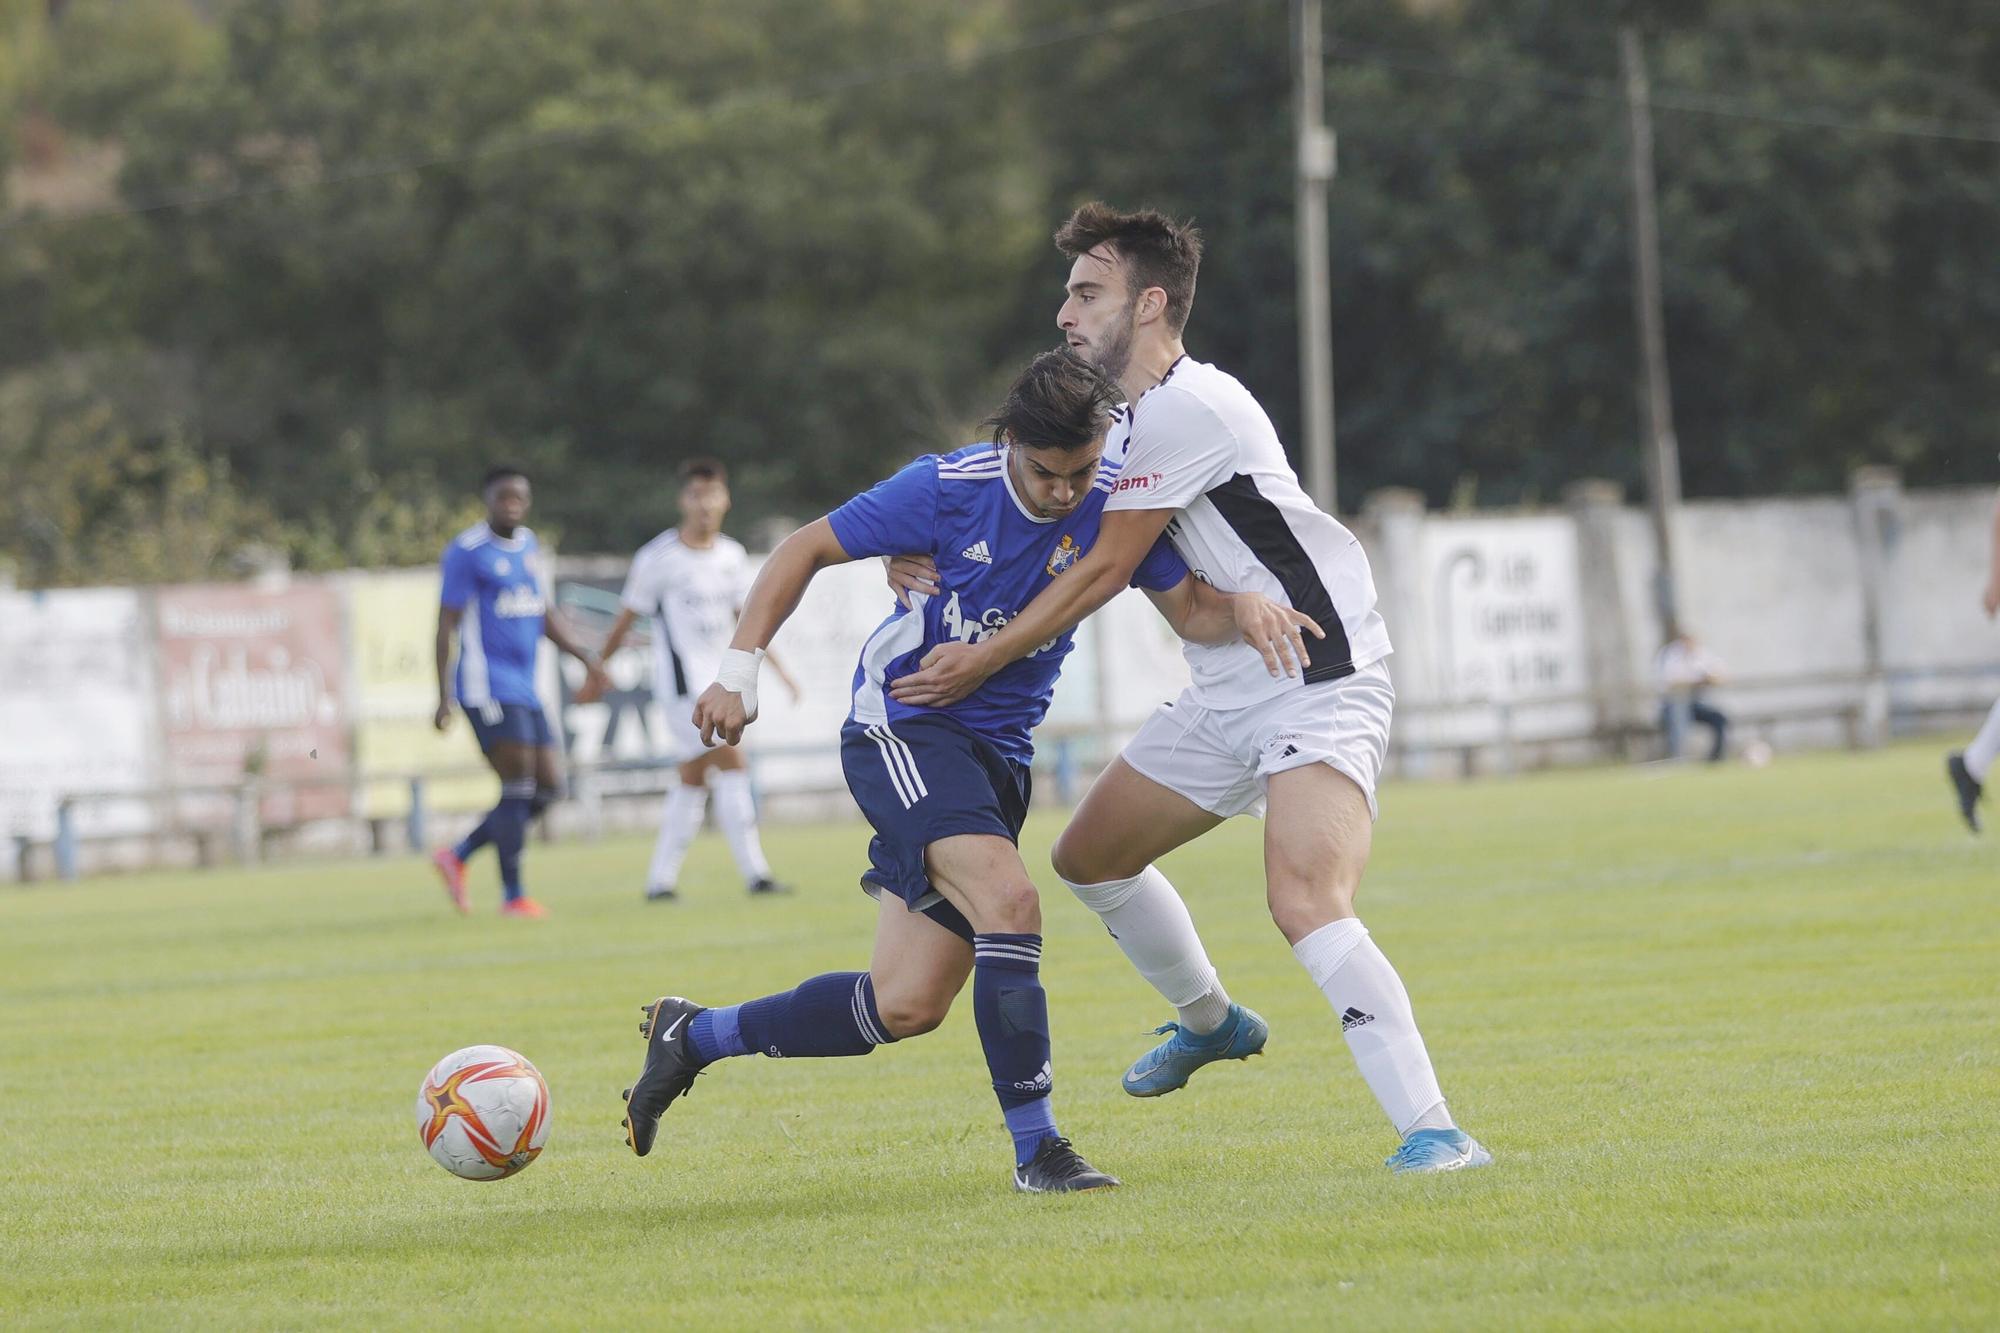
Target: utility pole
1663	454
1313	168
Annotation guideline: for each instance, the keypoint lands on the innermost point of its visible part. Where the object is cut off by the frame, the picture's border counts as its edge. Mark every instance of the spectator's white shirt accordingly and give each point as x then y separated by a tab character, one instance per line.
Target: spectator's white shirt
1684	666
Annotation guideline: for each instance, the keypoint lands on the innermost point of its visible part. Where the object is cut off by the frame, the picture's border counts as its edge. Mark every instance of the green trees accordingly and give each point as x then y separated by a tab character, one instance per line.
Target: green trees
366	248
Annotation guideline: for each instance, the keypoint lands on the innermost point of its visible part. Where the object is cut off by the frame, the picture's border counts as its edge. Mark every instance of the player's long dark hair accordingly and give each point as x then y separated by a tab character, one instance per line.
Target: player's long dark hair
1060	401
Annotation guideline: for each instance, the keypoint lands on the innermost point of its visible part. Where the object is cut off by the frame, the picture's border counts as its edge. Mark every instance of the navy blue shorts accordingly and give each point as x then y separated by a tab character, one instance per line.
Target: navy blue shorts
925	779
502	724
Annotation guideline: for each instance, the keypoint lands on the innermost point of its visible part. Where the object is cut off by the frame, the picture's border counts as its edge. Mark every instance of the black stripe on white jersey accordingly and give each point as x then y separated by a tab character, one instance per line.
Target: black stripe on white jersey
667	642
1263	529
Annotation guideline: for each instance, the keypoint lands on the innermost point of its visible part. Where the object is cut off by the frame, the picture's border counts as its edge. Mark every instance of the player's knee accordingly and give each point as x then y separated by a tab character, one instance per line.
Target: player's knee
544	797
1299	907
911	1013
1072	861
1083	858
1013	909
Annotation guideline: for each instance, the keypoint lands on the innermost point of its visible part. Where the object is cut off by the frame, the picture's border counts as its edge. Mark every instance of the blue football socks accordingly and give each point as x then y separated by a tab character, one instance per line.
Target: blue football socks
510	831
831	1014
1012	1011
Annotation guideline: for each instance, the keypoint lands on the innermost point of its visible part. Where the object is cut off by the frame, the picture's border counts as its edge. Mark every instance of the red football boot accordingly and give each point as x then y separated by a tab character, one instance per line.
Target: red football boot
452	871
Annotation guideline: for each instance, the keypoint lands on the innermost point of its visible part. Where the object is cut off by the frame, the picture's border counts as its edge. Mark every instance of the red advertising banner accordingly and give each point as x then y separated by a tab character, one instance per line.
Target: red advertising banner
252	684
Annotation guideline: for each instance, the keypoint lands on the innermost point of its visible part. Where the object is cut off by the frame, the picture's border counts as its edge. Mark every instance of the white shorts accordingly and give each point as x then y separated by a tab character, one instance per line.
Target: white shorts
1221	759
681	740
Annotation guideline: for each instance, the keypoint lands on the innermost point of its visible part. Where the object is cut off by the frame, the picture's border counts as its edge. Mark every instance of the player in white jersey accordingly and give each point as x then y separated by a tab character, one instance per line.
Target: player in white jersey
691	580
1968	768
1200	461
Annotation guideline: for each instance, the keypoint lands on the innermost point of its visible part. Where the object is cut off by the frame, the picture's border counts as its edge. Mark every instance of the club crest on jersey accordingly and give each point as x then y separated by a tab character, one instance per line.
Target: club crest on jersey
1064	556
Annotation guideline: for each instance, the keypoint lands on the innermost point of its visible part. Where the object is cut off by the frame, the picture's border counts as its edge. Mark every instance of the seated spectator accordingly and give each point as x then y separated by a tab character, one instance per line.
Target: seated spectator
1686	670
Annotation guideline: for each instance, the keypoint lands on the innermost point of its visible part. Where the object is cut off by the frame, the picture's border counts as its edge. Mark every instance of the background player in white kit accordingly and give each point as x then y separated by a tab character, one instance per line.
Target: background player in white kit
1200	461
1968	768
691	580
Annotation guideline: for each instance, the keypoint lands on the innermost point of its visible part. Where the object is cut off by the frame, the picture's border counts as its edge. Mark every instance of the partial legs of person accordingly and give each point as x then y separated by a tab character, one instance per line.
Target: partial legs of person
1317	835
1106	856
1673	725
736	812
918	968
982	876
720	771
548	781
681	816
505	827
1717	722
1968	768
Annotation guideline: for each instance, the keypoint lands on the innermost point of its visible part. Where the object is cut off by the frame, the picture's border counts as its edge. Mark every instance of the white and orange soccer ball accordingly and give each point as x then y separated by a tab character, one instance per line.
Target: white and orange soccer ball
483	1112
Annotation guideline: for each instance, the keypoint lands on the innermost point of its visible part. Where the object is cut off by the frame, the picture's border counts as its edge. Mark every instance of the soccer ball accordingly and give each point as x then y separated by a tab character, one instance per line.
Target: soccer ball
483	1112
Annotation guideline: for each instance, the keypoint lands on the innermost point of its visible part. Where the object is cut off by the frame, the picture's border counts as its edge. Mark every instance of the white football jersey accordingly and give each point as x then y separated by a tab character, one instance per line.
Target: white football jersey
692	594
1197	442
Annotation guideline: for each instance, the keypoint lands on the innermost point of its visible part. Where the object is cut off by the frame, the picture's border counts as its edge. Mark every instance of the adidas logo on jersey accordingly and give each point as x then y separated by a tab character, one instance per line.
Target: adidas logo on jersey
978	551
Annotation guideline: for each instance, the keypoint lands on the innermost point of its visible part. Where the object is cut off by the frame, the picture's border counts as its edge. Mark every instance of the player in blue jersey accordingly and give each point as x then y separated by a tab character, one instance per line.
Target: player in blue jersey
945	789
494	605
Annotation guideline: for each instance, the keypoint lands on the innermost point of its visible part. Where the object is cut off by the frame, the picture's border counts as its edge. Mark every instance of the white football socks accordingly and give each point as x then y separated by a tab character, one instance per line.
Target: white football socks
1151	924
680	820
1985	747
736	812
1376	1019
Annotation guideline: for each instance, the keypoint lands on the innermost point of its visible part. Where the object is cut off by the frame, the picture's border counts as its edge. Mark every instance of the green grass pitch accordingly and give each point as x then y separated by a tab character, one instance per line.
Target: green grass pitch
1733	1036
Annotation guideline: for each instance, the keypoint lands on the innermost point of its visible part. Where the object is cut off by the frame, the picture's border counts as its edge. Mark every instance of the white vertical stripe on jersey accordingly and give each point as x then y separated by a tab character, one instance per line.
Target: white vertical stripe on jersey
473	685
885	645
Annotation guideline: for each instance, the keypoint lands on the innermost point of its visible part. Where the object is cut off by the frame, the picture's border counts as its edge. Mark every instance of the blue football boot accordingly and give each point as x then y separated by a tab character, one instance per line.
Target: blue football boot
1431	1150
1167	1066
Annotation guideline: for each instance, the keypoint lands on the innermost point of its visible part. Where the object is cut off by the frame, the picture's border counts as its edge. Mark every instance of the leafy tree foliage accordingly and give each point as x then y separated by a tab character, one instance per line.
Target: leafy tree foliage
380	243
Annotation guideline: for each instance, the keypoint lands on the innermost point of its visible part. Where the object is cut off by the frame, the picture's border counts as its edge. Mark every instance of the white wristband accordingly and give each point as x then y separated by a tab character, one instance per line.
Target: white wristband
738	675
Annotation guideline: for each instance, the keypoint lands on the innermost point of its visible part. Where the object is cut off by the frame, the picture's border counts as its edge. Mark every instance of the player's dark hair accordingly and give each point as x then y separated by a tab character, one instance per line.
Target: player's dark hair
704	469
1060	401
494	474
1157	250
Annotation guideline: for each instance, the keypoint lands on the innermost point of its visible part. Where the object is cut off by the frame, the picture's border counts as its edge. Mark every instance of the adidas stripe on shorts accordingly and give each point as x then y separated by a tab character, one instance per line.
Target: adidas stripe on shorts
922	779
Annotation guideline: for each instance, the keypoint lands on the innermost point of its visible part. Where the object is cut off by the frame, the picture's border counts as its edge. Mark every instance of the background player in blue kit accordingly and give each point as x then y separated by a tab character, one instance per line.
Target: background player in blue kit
495	604
945	789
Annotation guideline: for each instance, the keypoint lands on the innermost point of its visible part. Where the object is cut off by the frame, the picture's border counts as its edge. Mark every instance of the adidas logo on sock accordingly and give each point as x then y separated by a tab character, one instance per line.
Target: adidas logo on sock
978	551
1041	1082
1354	1018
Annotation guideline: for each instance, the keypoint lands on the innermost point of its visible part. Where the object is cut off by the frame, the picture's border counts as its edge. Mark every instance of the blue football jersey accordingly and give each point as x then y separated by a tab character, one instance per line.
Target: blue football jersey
497	583
993	555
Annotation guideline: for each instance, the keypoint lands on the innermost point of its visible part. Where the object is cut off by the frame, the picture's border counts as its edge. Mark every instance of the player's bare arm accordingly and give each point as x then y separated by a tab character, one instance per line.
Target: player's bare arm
729	705
619	629
557	631
953	670
448	618
1202	614
593	687
1991	599
791	682
1197	612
